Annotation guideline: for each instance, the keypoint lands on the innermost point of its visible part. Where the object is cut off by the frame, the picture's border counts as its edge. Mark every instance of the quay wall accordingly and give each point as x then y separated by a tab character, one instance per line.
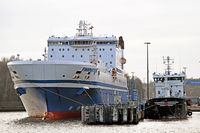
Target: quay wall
9	100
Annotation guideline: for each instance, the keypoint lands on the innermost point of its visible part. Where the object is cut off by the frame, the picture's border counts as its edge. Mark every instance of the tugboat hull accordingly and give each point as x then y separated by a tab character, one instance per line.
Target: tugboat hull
161	108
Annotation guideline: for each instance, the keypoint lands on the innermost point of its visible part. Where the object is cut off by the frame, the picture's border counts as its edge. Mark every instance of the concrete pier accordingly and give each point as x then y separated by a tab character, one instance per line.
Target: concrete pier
110	114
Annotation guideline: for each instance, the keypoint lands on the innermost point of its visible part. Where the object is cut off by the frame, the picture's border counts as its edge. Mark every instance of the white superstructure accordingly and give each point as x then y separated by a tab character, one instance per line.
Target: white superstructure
84	46
169	84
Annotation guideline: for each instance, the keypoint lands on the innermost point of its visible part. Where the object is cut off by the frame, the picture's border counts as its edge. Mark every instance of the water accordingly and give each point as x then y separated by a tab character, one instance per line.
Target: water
18	122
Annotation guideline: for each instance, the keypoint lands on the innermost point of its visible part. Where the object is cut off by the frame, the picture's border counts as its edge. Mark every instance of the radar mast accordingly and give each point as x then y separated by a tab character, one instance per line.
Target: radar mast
83	28
168	62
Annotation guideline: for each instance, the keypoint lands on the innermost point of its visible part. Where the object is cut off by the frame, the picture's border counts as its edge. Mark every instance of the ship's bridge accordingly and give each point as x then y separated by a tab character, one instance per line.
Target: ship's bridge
172	77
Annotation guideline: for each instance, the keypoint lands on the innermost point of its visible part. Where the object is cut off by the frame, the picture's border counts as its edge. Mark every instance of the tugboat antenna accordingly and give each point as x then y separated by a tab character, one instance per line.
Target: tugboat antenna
168	62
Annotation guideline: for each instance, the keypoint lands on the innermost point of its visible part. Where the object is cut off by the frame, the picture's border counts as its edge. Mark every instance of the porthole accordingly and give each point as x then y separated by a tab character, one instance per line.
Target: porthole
88	49
14	72
63	56
83	49
76	49
68	49
59	49
72	56
103	49
81	56
100	56
51	56
110	62
63	76
52	49
110	49
63	49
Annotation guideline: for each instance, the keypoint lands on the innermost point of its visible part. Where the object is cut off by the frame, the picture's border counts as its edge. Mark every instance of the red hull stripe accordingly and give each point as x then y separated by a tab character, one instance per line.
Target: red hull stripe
61	115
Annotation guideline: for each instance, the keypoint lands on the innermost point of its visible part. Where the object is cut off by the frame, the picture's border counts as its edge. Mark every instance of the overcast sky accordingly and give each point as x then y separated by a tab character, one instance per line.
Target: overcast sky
172	27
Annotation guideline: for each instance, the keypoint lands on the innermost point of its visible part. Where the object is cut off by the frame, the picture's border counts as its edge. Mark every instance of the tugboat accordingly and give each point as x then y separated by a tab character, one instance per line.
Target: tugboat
169	101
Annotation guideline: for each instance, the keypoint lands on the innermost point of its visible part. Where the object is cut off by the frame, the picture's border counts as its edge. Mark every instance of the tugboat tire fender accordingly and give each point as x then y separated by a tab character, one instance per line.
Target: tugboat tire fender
189	113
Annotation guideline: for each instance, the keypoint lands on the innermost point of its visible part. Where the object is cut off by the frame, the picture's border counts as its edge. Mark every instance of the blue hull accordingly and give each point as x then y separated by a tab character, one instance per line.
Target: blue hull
70	100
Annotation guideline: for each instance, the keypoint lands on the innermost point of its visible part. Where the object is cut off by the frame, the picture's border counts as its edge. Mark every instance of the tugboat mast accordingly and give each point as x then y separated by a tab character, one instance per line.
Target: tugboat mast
168	62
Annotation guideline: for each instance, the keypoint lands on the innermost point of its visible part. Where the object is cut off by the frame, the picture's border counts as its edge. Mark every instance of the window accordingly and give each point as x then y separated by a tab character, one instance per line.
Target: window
83	49
63	76
103	49
88	49
51	56
63	56
59	49
64	42
63	49
158	92
111	55
76	49
110	62
100	49
110	49
81	56
52	49
72	56
68	49
100	56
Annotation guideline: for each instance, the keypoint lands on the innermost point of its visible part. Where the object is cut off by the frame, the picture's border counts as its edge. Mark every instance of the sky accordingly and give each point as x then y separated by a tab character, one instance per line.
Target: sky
171	26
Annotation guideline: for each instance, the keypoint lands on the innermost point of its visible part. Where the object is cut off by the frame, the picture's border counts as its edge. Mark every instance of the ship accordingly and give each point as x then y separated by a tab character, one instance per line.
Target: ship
170	97
77	70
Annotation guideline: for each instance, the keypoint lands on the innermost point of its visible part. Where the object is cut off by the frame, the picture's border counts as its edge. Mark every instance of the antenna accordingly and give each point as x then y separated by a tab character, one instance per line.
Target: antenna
185	68
168	62
91	27
83	28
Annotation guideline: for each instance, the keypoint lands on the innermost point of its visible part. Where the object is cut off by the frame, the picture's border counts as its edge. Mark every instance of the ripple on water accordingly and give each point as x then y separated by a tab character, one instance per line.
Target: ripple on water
18	122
